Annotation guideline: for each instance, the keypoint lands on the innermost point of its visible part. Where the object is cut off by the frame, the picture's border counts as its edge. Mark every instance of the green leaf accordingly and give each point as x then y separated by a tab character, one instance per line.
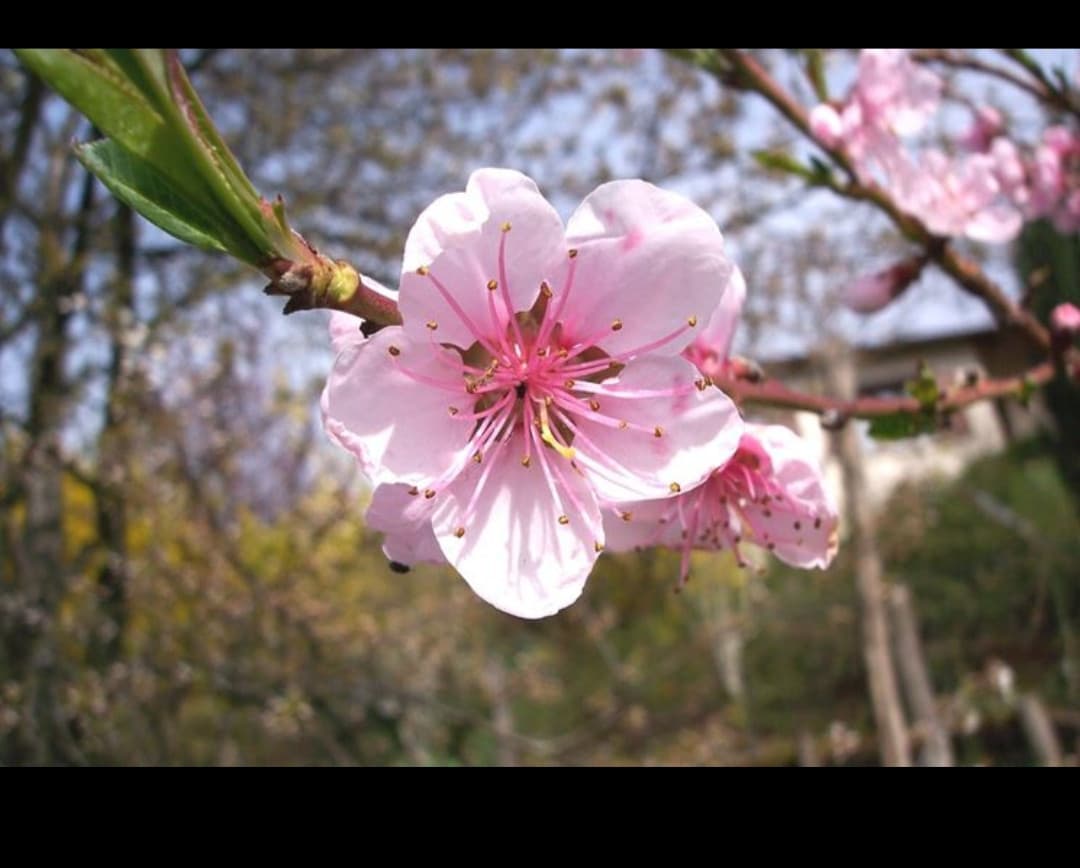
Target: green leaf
101	90
139	184
897	426
924	387
779	161
215	161
815	69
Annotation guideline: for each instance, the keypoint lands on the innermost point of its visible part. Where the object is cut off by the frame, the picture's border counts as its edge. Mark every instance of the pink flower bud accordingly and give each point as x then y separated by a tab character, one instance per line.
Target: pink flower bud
871	292
826	125
1065	319
987	126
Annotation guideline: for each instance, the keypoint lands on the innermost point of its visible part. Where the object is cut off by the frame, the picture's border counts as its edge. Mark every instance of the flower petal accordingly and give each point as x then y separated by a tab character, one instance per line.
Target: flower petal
458	240
650	259
406	522
800	529
400	429
719	332
499	526
641	524
344	330
699	431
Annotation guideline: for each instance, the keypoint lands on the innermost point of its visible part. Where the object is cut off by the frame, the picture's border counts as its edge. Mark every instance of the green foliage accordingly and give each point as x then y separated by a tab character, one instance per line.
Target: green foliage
166	159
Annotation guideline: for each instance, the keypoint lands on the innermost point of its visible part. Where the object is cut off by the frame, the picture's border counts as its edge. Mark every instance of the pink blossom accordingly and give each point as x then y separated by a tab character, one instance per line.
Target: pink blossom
1065	318
771	494
1055	179
535	376
895	92
986	126
954	195
892	97
872	292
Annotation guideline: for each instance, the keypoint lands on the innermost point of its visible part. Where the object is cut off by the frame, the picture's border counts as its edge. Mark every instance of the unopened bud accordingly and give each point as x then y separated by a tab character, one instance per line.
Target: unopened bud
872	292
1065	319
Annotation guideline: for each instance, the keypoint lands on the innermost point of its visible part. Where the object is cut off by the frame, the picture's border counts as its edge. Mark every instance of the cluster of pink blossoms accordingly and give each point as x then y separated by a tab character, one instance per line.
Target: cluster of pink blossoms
542	390
984	191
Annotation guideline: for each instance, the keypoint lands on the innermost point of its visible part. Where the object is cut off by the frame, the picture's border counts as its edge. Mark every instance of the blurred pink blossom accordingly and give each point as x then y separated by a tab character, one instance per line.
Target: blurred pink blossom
872	292
1065	318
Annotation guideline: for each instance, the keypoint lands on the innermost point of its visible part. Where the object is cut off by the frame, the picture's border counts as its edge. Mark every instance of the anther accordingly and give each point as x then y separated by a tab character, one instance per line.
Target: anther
452	410
623	425
478	456
691	321
431	324
701	384
626	516
394	351
594	405
506	226
429	493
658	431
597	547
616	325
545	289
573	252
526	461
414	491
563	353
422	270
493	284
564	519
675	488
459	532
569	384
543	351
817	522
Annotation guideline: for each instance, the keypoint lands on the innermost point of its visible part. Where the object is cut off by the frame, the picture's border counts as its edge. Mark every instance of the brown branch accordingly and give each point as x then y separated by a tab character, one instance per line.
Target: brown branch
773	393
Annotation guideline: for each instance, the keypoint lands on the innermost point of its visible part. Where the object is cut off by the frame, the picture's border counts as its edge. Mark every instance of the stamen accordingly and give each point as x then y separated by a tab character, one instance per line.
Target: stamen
429	493
675	488
492	285
448	297
431	324
658	431
597	546
459	532
691	321
549	438
616	325
394	351
564	519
